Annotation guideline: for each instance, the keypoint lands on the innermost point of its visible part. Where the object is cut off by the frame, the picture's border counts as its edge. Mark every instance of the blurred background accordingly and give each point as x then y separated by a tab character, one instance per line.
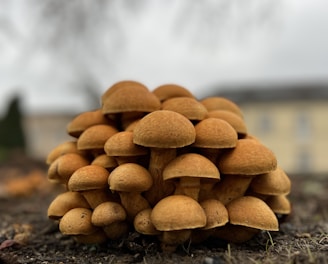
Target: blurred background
269	56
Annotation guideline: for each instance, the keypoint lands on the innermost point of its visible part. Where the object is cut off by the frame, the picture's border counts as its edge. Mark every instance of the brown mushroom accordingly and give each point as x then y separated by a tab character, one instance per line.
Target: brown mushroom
61	149
275	182
233	119
213	135
130	180
163	131
65	202
249	157
143	224
187	106
94	138
190	169
252	212
221	103
87	119
91	182
176	216
121	147
61	169
167	91
110	216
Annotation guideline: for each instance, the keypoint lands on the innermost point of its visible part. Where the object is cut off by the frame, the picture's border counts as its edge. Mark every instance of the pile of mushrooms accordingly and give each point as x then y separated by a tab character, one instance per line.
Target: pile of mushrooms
167	165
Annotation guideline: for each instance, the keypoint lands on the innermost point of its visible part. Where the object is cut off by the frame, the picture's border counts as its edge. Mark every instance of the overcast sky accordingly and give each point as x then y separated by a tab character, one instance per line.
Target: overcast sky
165	42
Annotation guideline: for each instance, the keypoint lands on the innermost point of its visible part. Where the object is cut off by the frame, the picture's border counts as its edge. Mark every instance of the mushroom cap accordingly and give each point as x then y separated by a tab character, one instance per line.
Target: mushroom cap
272	183
187	106
86	119
61	149
95	137
88	178
216	213
252	212
232	118
121	144
77	221
279	204
107	213
130	98
215	133
118	85
191	165
221	103
177	212
167	91
130	177
249	157
142	223
65	202
65	165
105	161
164	129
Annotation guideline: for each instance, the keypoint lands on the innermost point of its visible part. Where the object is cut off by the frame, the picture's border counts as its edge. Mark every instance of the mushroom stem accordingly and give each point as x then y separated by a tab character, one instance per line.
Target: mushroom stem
189	186
133	203
170	240
159	158
231	187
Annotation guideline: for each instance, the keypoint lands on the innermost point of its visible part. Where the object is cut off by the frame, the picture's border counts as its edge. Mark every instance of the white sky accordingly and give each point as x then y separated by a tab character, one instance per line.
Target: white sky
293	48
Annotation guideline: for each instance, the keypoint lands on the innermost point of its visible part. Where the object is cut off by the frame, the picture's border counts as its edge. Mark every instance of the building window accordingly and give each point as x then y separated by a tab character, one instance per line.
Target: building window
303	126
304	162
265	123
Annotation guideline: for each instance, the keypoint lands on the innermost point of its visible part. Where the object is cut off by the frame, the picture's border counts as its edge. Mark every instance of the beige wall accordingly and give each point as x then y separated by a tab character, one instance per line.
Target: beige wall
44	132
296	132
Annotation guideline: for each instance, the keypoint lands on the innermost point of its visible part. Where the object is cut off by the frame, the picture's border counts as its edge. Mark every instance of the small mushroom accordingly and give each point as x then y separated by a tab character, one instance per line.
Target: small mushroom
103	160
252	212
167	91
212	136
143	224
87	119
61	149
65	202
91	182
130	180
190	169
110	216
61	169
94	138
187	106
279	204
233	119
77	221
275	182
176	216
121	147
163	131
249	157
221	103
216	216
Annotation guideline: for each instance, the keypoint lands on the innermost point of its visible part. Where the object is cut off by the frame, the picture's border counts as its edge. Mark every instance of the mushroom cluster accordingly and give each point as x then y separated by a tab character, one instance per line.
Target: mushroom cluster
167	165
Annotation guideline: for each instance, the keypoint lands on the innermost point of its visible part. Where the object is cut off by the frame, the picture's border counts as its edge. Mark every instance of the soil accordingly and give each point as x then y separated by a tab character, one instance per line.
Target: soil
28	236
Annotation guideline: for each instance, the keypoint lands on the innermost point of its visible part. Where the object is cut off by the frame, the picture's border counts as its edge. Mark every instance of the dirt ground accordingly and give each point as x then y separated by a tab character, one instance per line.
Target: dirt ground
27	236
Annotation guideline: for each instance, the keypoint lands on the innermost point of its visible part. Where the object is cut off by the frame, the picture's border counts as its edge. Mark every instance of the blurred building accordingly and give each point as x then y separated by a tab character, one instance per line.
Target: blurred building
290	120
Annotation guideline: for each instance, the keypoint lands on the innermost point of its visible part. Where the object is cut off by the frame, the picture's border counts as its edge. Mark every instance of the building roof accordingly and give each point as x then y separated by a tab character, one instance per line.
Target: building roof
274	92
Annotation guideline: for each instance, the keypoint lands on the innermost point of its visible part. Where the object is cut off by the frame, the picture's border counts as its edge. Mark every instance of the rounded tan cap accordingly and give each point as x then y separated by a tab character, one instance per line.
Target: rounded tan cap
177	212
164	129
252	212
249	157
191	165
88	178
130	177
